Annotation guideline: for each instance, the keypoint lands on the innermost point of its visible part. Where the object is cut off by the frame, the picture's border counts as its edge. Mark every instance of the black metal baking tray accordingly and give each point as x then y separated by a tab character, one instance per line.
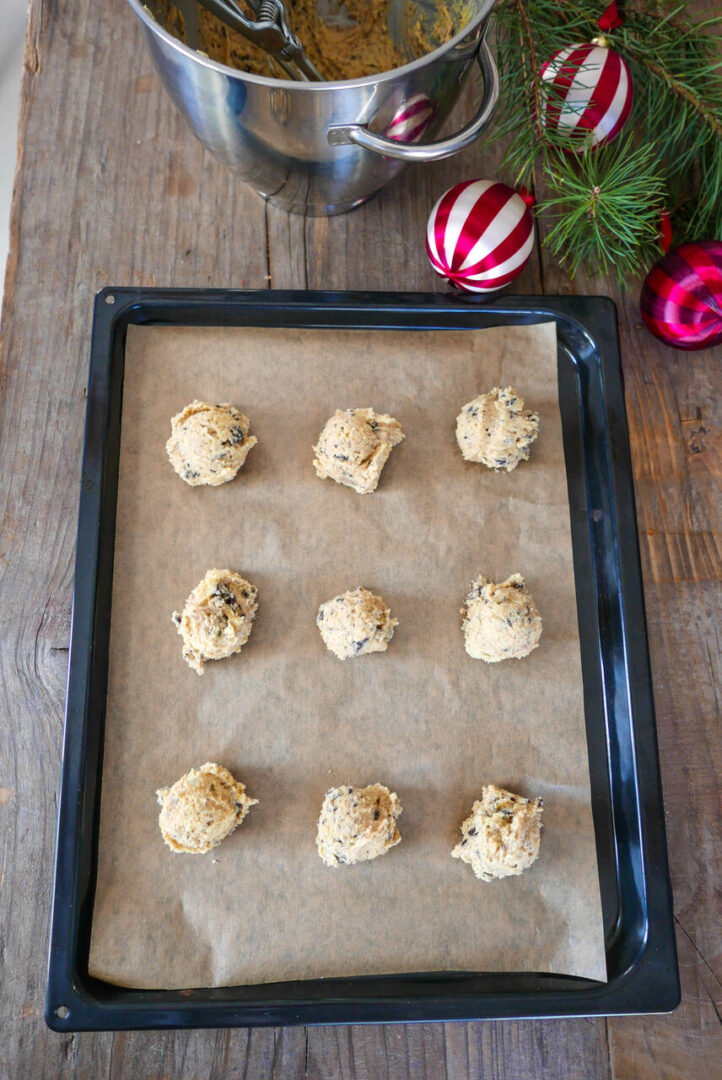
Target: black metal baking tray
621	735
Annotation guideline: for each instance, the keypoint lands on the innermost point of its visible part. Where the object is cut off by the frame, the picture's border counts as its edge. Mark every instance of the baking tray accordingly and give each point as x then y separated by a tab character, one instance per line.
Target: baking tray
621	735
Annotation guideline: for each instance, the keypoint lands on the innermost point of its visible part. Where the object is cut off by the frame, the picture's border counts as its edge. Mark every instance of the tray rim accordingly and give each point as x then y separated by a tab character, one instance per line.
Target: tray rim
650	983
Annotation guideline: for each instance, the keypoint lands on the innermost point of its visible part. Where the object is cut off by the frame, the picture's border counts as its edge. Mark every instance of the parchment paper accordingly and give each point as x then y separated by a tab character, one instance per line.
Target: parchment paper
290	720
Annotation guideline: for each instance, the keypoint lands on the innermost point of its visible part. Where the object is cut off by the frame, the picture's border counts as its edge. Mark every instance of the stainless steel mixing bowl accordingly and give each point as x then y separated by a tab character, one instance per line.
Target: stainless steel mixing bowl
323	148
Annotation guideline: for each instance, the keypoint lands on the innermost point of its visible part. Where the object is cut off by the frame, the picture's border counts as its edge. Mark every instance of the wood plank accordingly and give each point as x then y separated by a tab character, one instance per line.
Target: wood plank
111	189
674	415
674	420
509	1050
677	472
260	1054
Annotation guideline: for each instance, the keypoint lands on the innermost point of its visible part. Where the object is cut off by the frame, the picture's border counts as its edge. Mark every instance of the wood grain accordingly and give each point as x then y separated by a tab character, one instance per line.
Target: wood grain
507	1051
111	188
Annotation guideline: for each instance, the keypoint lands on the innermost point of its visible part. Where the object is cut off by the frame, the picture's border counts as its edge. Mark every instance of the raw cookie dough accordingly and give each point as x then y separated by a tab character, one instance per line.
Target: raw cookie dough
500	622
217	618
209	443
355	623
353	447
496	429
357	824
501	837
346	41
201	809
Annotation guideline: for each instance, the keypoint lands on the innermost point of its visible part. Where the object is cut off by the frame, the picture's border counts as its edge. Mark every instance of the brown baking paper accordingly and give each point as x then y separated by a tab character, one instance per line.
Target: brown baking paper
290	720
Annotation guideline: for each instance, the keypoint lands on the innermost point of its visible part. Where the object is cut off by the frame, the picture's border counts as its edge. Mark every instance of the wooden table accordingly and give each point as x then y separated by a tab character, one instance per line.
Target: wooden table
112	189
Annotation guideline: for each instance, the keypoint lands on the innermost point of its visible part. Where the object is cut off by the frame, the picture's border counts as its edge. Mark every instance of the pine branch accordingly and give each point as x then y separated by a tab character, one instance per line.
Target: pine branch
606	210
528	39
705	114
676	120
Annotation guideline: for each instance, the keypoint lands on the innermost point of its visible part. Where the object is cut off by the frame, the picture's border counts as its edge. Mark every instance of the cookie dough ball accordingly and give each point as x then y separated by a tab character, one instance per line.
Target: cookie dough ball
209	443
201	809
496	429
500	622
353	447
355	623
217	618
357	824
501	837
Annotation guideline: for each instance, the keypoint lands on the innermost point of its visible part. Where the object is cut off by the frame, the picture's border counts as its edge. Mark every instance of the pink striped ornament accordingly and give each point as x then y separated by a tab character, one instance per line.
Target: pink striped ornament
681	298
411	119
590	92
479	235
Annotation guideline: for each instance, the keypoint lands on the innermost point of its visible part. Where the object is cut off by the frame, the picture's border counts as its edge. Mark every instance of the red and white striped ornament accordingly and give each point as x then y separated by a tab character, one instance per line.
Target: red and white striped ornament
411	119
479	235
590	92
681	298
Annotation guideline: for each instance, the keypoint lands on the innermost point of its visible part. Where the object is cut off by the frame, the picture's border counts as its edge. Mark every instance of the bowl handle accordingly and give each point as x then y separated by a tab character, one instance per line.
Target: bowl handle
342	135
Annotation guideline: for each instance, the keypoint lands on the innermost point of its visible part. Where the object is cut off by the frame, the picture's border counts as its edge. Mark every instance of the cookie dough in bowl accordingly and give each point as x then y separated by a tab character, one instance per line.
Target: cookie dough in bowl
501	837
496	429
209	443
357	824
355	623
500	622
217	618
354	446
202	809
